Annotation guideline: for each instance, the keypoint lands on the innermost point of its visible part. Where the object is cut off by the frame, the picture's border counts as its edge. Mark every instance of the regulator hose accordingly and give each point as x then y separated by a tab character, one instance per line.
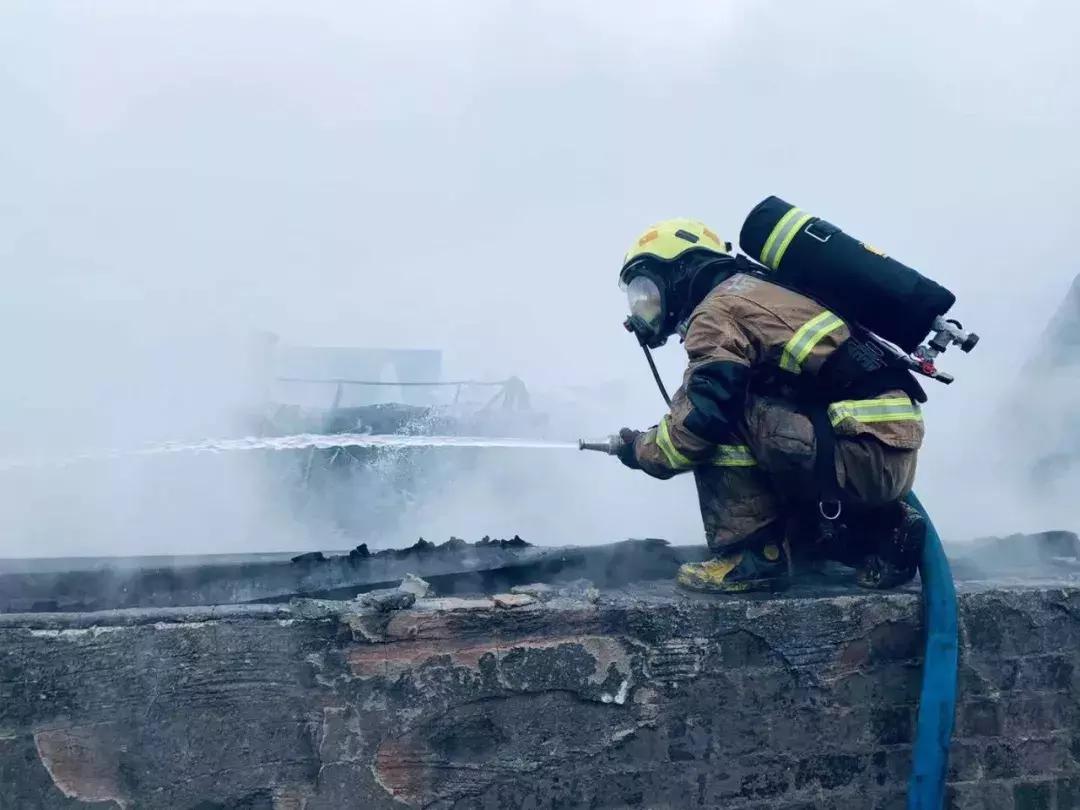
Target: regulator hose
656	374
937	700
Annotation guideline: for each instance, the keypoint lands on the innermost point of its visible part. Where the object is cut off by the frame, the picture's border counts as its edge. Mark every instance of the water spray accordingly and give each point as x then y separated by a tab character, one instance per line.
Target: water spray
299	441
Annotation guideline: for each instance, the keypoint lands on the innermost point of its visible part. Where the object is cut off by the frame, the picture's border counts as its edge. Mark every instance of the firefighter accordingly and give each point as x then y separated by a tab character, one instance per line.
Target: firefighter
776	455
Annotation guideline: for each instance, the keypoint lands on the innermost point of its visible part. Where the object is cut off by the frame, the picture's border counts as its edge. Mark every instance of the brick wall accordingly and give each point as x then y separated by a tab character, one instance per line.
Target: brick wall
640	699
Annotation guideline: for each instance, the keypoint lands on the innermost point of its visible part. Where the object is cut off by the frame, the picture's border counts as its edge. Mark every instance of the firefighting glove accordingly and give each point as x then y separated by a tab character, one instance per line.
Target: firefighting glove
625	450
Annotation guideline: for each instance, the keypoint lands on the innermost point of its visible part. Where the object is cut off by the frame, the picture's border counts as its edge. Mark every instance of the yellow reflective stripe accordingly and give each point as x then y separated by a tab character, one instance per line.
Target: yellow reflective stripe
778	228
809	335
726	455
887	409
787	239
781	235
675	459
734	455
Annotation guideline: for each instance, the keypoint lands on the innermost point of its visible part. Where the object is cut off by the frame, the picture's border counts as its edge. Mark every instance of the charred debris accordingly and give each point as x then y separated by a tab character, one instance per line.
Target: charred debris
453	568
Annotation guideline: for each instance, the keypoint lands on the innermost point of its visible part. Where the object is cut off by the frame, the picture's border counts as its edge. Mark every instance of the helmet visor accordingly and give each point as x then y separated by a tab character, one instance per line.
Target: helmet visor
644	298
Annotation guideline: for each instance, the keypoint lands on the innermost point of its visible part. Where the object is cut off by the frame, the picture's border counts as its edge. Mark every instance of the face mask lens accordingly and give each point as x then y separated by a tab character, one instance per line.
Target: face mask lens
644	298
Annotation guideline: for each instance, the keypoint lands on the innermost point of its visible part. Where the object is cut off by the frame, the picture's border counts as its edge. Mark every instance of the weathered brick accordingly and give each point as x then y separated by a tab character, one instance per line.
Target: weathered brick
982	795
895	641
1047	756
830	770
1051	672
989	676
744	649
1027	715
980	718
763	783
999	629
890	766
649	701
1033	796
1067	792
967	760
890	725
895	800
999	760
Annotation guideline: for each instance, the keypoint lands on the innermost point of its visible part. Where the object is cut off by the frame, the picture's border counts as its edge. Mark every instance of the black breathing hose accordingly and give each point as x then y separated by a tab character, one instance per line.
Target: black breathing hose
656	375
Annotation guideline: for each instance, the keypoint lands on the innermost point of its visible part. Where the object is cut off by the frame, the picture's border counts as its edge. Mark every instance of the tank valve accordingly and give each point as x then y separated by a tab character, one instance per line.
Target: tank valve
945	333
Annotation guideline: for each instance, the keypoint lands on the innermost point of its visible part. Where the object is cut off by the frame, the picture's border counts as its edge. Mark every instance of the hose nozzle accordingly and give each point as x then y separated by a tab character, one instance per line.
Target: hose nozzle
609	445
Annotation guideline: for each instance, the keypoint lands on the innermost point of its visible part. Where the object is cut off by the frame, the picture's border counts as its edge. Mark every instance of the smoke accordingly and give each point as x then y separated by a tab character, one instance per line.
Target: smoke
465	177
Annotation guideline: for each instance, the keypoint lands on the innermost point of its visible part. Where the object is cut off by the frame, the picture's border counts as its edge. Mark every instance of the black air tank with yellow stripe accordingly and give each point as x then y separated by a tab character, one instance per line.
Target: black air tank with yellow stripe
853	279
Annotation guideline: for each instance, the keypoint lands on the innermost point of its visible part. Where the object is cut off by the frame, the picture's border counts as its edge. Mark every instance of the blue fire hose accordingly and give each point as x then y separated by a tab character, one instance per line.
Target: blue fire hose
937	701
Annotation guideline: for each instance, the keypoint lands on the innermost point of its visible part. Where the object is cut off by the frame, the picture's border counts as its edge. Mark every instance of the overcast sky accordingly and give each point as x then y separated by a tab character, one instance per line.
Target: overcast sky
465	176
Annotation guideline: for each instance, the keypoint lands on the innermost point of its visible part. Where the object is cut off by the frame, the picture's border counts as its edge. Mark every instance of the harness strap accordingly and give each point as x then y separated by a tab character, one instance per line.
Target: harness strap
825	460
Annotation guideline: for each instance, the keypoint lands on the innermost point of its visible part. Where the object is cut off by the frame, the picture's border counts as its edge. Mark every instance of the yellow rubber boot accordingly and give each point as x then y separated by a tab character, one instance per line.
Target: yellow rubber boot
761	569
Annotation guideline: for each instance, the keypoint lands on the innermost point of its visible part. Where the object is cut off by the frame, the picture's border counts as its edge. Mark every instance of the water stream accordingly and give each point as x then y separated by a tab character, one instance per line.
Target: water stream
299	441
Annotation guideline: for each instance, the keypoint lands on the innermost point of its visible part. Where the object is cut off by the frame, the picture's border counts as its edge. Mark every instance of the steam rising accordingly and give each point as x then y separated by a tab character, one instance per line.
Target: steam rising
465	177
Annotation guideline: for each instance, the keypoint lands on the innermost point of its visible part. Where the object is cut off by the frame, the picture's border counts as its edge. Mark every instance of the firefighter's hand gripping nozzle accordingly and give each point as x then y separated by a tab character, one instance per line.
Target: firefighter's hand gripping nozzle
620	445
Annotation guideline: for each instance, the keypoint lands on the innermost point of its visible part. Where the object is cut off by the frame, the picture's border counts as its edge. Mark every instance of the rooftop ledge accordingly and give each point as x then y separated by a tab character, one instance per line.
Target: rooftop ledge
574	692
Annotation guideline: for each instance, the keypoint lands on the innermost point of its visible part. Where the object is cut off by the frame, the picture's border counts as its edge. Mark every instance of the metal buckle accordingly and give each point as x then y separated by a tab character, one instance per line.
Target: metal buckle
821	509
808	230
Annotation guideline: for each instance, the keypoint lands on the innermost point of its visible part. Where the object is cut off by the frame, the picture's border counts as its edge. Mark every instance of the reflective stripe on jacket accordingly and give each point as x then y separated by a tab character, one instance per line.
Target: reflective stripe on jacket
745	323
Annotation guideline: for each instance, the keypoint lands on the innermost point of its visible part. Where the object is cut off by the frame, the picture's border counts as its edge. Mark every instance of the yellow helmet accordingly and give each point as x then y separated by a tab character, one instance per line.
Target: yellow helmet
671	238
666	273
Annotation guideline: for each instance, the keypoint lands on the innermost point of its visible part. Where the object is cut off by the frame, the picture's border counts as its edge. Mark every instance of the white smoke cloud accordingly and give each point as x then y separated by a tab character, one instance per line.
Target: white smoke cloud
465	176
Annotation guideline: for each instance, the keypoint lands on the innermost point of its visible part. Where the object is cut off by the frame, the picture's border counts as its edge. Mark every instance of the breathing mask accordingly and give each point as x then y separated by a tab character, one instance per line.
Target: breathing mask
646	302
